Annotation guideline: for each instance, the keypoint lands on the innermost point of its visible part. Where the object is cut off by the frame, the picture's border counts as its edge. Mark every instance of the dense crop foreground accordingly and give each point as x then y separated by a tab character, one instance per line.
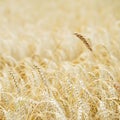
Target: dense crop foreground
59	60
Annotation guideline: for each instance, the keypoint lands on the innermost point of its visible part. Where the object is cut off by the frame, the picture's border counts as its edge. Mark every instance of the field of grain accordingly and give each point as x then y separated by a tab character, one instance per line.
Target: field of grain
59	60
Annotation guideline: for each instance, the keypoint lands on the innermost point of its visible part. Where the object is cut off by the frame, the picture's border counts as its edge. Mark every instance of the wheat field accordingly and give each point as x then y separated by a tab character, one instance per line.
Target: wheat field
59	60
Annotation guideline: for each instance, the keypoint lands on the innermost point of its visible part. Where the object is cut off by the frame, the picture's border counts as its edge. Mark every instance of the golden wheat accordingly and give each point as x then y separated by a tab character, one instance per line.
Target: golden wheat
46	73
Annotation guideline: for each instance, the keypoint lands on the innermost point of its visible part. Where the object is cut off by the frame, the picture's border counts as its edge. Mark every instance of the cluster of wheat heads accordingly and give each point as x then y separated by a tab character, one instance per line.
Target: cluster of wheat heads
47	73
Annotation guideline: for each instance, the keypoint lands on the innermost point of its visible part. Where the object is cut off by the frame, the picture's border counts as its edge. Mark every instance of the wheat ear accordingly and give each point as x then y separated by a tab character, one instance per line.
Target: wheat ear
83	40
